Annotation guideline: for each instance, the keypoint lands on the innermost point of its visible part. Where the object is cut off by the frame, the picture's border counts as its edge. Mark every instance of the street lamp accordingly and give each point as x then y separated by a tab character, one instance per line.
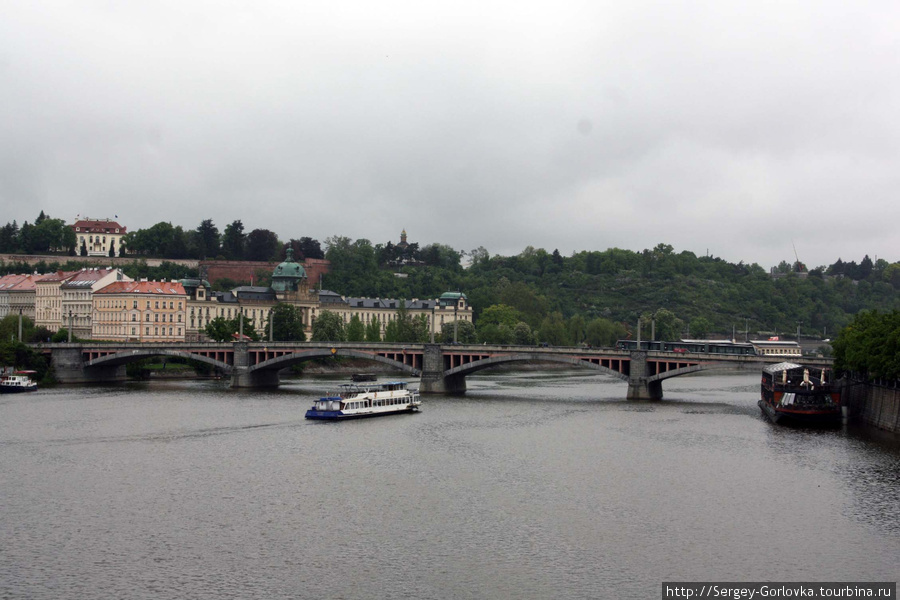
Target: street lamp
455	323
70	326
432	320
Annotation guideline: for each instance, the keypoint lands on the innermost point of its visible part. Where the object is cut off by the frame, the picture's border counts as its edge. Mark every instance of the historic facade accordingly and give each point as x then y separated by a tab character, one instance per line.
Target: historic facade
99	237
77	294
139	311
17	295
48	299
290	285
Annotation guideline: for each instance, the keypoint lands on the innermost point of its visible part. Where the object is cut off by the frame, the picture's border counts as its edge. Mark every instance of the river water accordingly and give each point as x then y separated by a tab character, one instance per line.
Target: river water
534	485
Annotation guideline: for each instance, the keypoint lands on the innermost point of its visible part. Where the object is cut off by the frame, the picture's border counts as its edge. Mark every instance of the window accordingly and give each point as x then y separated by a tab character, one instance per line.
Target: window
156	318
133	317
156	304
135	304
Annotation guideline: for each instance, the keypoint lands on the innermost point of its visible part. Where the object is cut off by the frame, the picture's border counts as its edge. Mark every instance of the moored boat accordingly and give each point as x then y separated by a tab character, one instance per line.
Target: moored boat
19	381
352	401
800	395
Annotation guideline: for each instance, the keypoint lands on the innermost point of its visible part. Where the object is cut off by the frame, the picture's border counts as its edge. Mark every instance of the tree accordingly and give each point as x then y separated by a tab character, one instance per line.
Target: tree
603	333
262	245
328	327
373	330
234	241
356	331
465	332
287	323
208	238
700	327
499	314
553	330
221	329
522	334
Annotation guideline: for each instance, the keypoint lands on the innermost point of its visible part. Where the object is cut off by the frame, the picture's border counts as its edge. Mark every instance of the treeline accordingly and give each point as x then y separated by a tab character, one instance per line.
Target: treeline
138	269
569	300
45	236
164	240
870	345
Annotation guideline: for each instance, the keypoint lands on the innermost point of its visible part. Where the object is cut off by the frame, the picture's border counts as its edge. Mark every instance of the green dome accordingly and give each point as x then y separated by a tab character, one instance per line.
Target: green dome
286	276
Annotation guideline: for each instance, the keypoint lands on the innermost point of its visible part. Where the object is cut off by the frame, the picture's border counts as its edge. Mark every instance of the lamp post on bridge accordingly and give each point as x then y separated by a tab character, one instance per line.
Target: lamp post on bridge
70	326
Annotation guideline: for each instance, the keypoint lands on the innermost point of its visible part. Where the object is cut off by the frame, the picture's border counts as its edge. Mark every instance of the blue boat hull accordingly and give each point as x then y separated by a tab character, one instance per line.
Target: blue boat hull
336	415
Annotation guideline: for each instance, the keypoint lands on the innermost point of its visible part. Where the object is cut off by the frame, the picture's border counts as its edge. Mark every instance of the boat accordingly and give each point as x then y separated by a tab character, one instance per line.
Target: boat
800	395
18	381
352	401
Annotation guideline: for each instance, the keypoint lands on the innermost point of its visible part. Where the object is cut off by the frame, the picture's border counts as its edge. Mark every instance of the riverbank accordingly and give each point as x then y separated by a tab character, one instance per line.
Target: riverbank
875	404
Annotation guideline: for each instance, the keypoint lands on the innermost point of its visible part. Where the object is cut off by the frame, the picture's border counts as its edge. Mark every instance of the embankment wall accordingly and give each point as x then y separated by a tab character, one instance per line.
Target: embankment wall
876	404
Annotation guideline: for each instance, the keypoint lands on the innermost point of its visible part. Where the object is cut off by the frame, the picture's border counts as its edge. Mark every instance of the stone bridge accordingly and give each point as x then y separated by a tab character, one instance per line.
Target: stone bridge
442	368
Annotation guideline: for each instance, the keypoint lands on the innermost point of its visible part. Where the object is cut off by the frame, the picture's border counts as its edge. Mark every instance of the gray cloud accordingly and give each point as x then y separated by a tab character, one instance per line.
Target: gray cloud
732	128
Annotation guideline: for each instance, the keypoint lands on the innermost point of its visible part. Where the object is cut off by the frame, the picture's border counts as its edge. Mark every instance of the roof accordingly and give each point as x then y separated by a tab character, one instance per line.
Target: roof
57	277
782	366
20	283
98	226
158	288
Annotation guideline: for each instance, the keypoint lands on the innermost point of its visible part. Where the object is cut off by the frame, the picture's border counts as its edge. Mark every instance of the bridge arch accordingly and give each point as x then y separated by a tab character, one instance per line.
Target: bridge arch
129	356
288	360
486	363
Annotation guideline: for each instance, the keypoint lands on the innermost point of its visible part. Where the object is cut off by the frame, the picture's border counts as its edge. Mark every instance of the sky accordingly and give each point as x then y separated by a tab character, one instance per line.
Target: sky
743	130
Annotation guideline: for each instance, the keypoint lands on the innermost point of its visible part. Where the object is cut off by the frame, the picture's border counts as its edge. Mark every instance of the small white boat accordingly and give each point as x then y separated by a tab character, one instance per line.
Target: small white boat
17	382
354	401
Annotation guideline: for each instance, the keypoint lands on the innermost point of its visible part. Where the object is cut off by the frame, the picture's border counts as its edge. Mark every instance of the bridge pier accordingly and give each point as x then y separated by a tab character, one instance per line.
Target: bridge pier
433	380
641	389
242	377
68	367
639	385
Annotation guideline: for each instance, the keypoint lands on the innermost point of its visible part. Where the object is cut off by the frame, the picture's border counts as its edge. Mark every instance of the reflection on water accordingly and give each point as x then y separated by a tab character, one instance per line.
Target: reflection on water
532	485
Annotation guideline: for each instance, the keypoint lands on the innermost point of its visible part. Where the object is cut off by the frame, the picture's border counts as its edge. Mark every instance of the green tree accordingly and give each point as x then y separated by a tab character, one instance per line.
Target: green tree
287	323
356	331
221	329
603	333
522	334
465	332
700	328
373	330
208	239
234	241
553	330
328	327
9	328
262	245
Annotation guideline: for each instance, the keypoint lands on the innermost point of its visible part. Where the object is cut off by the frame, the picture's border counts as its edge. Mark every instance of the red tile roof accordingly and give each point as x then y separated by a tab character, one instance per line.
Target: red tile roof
159	288
97	226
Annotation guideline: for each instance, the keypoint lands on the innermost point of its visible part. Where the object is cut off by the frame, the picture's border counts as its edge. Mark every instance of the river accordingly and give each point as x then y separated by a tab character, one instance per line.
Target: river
533	485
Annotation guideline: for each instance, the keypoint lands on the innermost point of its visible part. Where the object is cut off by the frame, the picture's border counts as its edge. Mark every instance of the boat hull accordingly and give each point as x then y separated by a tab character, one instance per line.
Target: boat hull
336	415
17	389
821	418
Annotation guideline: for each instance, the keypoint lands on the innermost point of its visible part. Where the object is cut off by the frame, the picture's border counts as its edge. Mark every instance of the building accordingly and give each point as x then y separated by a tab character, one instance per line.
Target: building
48	299
776	347
139	311
17	295
77	294
290	285
99	237
451	306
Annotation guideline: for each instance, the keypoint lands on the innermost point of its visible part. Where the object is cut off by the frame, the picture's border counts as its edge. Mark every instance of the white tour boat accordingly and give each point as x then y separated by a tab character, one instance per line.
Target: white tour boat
354	401
20	381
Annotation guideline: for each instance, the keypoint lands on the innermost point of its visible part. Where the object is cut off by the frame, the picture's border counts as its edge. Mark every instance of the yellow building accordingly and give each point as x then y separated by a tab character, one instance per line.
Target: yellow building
77	297
48	299
139	311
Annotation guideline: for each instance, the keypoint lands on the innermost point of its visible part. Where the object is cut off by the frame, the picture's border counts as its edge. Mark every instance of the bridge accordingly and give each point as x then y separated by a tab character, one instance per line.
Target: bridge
442	368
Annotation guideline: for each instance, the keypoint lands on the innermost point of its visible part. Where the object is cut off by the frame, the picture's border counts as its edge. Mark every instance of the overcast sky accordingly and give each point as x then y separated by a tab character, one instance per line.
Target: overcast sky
734	128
